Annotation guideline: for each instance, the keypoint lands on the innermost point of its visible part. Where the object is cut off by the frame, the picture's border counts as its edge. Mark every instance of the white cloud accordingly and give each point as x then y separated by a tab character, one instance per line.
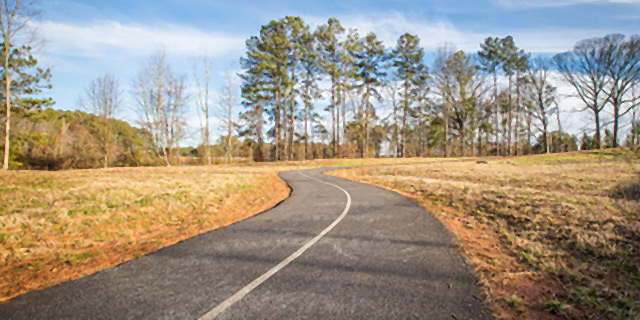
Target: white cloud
434	33
112	39
556	3
389	26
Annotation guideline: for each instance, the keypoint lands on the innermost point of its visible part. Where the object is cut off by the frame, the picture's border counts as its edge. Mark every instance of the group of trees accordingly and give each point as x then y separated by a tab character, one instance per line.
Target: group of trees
327	92
493	102
52	140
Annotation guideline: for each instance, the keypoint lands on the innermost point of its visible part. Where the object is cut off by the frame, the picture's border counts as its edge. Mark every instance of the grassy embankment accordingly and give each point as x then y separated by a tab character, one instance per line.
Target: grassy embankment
550	236
56	226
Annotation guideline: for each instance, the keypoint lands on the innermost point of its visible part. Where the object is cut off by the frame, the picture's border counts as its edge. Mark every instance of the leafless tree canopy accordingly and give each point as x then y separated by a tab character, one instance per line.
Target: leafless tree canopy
228	99
586	68
103	98
540	96
202	78
162	101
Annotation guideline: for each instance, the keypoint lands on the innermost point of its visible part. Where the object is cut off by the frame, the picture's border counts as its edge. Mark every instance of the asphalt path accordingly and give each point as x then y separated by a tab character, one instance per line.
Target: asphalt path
335	249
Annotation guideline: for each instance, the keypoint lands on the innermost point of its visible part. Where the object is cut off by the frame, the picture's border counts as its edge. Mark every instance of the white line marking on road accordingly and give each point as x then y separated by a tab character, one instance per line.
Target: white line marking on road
258	281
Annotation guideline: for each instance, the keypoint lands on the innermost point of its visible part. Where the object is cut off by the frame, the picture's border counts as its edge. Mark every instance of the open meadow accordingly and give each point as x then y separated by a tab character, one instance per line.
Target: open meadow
61	225
550	236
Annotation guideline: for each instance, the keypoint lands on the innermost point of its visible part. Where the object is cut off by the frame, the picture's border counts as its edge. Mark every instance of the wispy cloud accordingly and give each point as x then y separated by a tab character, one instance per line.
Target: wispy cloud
556	3
434	33
112	39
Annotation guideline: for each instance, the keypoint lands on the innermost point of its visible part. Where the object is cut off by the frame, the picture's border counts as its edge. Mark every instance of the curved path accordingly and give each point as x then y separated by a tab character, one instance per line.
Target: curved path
335	249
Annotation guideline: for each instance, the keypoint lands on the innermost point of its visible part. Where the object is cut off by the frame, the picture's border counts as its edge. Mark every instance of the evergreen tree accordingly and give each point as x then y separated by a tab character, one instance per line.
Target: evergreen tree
370	72
350	46
310	91
255	94
513	61
23	81
329	44
407	58
489	55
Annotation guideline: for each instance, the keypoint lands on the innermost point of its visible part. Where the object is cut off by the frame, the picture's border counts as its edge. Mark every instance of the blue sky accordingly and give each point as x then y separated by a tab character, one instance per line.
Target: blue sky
85	39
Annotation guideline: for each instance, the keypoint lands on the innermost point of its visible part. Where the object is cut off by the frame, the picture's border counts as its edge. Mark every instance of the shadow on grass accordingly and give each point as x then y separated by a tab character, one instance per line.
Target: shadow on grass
629	190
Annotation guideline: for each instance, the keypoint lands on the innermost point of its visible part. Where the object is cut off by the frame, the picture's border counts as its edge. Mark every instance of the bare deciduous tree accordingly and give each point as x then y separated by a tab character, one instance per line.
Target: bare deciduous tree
103	99
202	77
541	96
445	80
161	99
586	69
623	72
228	99
391	90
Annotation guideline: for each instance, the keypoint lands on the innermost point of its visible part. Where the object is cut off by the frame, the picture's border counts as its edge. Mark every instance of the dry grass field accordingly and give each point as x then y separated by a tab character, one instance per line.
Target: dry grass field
56	226
551	236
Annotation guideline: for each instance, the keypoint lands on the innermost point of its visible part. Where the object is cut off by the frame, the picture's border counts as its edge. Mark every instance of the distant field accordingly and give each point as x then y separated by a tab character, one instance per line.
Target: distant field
551	236
62	225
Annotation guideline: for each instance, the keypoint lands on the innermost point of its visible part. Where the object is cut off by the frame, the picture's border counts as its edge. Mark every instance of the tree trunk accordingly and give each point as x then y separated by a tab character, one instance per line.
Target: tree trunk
404	119
306	123
164	134
230	123
517	128
462	141
337	110
7	103
420	142
545	136
7	128
396	150
292	128
207	142
365	145
479	143
278	127
446	130
597	120
616	118
333	114
344	123
497	106
285	130
509	117
260	155
634	128
106	138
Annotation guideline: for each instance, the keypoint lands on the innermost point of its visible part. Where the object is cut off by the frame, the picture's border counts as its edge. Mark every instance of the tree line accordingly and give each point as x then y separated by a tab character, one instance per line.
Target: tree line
323	92
457	105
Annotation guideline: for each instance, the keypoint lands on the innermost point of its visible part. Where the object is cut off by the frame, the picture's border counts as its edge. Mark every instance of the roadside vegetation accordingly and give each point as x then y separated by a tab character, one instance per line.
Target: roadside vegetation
56	226
61	225
551	236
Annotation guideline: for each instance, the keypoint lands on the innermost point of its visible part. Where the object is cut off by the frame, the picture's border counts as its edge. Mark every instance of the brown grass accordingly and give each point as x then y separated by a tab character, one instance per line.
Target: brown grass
550	236
56	226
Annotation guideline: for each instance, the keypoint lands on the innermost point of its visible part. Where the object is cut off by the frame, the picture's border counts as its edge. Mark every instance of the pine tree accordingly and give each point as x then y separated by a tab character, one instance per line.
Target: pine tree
513	61
295	29
310	90
328	39
255	92
22	81
490	61
350	46
370	72
407	58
